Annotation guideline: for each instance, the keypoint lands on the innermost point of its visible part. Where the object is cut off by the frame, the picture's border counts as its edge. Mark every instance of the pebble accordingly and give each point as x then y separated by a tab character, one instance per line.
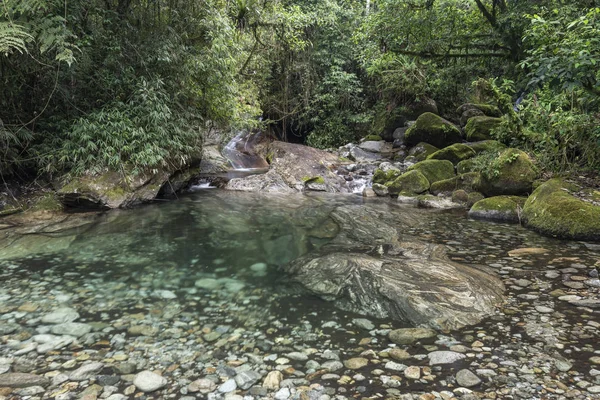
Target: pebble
356	363
228	386
466	378
411	335
444	357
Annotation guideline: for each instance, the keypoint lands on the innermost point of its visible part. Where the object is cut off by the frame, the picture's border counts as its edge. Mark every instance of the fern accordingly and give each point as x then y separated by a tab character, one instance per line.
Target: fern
13	37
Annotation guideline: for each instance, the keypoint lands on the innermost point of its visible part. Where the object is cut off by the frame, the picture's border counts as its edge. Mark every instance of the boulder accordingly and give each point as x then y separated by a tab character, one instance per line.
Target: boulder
359	155
434	170
373	146
112	190
400	114
480	128
467	198
511	173
470	110
420	152
409	183
553	210
486	146
434	130
367	269
447	186
454	153
294	167
382	177
498	208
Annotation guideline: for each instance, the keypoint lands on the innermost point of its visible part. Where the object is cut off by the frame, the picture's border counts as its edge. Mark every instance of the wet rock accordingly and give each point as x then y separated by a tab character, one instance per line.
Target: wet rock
60	316
398	354
272	380
363	323
332	366
228	386
412	372
467	379
86	371
356	363
444	357
203	386
148	381
410	335
22	380
246	379
74	329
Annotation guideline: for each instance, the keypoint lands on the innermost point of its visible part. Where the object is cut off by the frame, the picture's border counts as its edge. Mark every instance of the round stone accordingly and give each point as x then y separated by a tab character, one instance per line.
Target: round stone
148	381
356	363
466	378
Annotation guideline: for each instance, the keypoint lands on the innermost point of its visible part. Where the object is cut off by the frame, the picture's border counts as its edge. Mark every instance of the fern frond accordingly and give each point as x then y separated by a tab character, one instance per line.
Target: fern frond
13	37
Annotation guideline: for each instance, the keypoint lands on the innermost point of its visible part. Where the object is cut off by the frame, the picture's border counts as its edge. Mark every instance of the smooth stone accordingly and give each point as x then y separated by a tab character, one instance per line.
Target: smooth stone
272	380
75	329
563	366
117	396
148	381
398	354
297	356
60	316
203	386
466	378
258	267
363	323
412	372
356	363
410	335
207	283
282	394
22	380
444	357
544	309
228	386
595	360
246	379
87	371
332	366
394	366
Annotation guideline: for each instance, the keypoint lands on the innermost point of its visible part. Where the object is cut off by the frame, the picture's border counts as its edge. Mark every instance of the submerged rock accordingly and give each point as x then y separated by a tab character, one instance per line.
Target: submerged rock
404	280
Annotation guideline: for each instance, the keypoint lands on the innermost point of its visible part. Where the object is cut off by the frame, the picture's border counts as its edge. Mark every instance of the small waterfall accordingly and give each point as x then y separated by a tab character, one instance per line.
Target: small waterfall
241	153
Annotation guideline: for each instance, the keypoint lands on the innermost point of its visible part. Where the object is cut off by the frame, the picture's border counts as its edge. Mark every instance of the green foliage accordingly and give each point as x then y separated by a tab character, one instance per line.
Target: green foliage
138	136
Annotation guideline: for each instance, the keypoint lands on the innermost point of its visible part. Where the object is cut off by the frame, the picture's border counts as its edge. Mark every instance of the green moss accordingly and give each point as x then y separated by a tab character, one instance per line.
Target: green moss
432	129
382	177
48	202
434	170
498	208
479	128
511	173
454	153
313	179
375	138
460	196
474	197
464	182
486	146
421	151
409	183
552	210
466	166
487	109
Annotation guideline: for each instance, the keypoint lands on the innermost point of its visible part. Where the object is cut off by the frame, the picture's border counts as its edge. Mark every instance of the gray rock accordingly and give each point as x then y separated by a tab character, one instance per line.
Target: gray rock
332	366
363	323
373	146
203	386
444	357
75	329
246	379
148	381
22	380
60	316
283	394
228	386
411	335
87	371
360	155
466	378
297	356
394	366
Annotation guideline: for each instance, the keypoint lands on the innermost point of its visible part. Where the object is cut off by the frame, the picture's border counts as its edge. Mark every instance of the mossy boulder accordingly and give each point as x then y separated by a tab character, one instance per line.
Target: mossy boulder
420	152
434	170
48	202
447	186
553	210
486	146
480	128
455	153
466	166
409	183
498	208
470	110
432	129
461	196
374	138
382	177
511	173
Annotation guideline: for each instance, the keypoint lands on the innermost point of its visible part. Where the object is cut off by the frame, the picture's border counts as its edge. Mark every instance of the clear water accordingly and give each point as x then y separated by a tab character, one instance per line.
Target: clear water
144	265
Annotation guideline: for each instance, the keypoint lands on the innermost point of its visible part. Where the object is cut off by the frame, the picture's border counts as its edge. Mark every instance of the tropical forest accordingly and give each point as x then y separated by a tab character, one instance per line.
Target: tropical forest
299	199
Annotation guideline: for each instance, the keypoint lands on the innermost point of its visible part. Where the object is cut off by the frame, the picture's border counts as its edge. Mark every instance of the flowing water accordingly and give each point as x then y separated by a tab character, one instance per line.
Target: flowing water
192	289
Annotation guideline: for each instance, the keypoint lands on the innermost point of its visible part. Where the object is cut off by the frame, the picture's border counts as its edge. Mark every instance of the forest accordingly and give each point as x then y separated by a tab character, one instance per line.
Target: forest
101	85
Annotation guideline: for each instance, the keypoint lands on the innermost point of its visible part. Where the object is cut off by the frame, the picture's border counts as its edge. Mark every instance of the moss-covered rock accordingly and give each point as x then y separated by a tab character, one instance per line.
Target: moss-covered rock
479	128
380	190
474	197
442	203
374	138
382	177
409	183
420	152
486	146
466	166
511	173
476	109
434	170
498	208
553	210
447	186
455	153
48	202
434	130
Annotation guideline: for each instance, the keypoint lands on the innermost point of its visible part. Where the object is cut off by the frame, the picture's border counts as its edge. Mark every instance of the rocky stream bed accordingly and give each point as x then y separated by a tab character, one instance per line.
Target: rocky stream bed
189	300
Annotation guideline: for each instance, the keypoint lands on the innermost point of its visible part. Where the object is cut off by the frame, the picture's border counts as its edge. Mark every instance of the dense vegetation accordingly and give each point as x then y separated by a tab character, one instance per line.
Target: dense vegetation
133	84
